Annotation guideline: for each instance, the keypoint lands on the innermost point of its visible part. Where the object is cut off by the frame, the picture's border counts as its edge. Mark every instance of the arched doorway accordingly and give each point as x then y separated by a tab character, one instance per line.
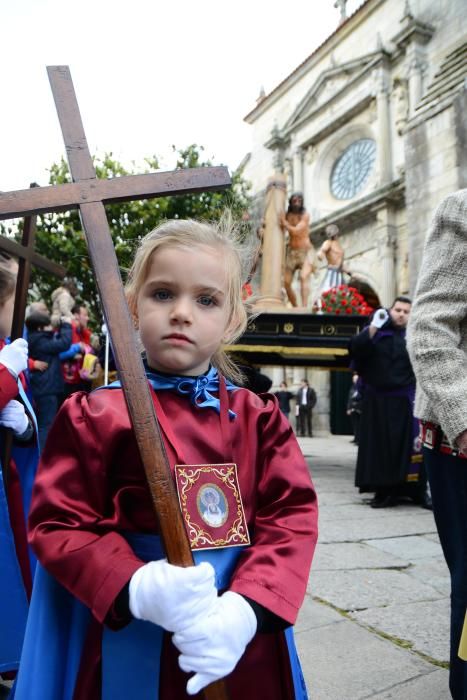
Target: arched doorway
369	294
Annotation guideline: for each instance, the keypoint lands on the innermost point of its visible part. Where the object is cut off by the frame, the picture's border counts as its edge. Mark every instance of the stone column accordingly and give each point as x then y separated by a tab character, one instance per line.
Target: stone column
278	376
298	170
387	237
273	243
415	70
298	374
384	125
320	380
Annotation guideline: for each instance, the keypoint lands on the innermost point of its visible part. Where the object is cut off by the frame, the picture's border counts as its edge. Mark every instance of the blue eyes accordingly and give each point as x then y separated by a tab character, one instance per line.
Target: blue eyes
206	301
161	295
167	295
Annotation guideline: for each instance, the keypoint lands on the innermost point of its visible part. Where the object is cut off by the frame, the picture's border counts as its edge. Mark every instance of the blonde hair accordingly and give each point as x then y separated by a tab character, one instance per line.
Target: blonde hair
238	252
7	284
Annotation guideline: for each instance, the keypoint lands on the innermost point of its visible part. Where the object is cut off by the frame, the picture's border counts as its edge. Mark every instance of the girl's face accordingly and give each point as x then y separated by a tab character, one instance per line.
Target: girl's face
6	316
182	309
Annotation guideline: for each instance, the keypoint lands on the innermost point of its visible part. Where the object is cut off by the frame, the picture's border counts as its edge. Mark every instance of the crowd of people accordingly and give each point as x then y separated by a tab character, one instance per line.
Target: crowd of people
63	353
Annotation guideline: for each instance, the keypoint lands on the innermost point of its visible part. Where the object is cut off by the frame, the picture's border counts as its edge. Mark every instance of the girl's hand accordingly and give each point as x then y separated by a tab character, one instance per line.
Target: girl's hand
214	645
172	596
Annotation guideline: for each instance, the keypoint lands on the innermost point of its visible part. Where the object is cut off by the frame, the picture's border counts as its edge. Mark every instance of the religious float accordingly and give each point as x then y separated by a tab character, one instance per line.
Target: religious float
278	335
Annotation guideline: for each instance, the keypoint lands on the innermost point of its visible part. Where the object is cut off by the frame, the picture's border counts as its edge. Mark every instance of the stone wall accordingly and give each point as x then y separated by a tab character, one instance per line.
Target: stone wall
436	163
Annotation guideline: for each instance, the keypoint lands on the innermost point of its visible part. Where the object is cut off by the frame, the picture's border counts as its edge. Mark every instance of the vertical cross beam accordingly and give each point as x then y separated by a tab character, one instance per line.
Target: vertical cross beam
119	323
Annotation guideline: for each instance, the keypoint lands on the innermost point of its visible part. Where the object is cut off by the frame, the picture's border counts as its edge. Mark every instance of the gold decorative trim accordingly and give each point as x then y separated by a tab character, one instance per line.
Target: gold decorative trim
283	350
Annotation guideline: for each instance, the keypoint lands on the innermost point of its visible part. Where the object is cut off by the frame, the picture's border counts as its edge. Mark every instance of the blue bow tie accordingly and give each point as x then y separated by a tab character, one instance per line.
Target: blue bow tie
196	388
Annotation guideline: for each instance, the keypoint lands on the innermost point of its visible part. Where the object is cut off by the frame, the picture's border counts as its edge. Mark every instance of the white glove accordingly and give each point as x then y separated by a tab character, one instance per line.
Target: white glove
379	319
15	356
172	596
214	645
14	416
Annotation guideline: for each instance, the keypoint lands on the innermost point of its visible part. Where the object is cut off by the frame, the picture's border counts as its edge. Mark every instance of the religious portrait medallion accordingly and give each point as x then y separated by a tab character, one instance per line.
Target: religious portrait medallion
211	505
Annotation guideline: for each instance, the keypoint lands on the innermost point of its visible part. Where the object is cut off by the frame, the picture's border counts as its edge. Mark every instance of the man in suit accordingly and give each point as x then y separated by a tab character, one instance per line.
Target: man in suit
305	402
437	343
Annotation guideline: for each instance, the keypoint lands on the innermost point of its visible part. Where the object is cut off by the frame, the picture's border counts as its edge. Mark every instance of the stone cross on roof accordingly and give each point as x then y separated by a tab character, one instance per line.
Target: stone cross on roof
341	5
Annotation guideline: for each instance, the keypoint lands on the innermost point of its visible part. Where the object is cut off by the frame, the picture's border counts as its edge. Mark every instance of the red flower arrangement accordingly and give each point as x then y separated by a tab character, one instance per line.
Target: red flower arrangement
343	300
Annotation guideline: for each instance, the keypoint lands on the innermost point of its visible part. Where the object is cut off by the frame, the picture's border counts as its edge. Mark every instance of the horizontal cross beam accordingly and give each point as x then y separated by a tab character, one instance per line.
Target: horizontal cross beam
21	252
40	200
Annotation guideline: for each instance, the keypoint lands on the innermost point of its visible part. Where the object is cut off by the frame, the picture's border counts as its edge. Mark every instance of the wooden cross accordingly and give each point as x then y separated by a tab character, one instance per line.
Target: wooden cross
27	257
89	194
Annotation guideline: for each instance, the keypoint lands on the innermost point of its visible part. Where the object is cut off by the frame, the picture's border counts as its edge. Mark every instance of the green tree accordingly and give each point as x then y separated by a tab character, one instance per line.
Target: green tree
60	236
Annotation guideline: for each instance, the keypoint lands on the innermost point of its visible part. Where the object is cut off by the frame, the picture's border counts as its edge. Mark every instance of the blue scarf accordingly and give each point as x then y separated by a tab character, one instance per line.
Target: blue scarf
197	389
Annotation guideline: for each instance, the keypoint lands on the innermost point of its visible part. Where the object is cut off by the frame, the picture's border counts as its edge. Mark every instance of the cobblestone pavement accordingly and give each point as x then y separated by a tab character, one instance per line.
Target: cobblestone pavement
375	621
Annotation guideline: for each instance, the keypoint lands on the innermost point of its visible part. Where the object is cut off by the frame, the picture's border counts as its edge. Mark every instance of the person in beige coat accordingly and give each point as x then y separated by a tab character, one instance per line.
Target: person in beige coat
63	301
437	344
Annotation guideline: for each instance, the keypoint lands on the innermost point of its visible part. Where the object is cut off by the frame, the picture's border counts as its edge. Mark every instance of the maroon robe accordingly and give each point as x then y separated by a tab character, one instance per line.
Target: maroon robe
91	486
9	391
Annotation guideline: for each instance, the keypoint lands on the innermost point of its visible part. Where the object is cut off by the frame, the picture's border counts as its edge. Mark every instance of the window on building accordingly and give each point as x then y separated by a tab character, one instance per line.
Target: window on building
353	168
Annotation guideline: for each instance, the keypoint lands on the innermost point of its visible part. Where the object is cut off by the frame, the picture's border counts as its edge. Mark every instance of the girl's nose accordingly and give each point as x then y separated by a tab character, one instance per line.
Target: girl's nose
182	311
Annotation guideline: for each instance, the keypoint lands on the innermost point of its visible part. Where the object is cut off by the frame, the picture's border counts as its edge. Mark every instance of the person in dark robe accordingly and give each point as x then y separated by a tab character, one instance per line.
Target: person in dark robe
114	617
389	461
16	477
284	396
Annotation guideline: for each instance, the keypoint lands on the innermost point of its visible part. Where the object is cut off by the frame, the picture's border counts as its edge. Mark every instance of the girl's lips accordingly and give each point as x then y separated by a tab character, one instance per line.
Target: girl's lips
178	338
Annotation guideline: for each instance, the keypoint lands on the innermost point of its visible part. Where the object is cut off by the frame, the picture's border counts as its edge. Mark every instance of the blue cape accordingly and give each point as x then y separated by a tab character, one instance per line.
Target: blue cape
57	626
13	599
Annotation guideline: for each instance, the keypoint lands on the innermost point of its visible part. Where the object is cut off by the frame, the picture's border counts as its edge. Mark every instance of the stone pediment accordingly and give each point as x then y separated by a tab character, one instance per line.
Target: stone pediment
330	84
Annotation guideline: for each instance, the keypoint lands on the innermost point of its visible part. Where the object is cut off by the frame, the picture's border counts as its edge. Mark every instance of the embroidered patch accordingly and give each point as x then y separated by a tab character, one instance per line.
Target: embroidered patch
211	505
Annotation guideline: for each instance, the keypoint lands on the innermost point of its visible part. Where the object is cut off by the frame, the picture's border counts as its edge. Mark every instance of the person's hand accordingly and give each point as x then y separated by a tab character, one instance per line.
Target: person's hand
461	442
282	220
15	356
212	647
379	319
40	365
14	416
172	596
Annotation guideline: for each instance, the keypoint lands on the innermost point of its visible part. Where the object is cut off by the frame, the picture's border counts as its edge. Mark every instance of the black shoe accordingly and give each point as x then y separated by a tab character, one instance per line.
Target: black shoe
387	502
377	498
427	504
424	501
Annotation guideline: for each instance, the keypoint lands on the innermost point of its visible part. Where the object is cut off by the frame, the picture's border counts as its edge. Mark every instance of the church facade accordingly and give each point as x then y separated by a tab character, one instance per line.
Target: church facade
372	128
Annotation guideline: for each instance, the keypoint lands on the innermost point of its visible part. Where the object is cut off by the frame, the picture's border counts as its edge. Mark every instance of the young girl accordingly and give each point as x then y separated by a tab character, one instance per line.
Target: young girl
15	483
94	530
